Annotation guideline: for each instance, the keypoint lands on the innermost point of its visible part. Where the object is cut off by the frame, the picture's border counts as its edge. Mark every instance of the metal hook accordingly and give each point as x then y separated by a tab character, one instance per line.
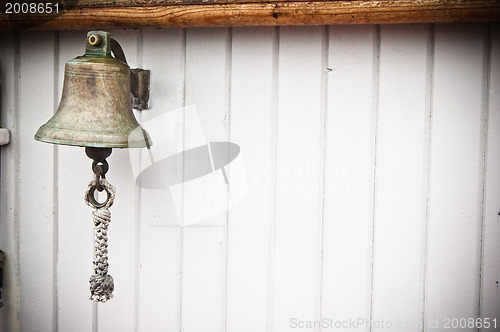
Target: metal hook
100	168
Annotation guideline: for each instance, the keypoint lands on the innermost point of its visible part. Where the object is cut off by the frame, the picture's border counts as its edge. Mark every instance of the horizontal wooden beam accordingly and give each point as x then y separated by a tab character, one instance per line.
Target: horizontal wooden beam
106	14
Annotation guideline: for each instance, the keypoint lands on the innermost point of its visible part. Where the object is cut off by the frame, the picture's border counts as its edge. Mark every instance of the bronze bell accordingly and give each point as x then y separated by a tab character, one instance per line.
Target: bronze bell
96	112
96	103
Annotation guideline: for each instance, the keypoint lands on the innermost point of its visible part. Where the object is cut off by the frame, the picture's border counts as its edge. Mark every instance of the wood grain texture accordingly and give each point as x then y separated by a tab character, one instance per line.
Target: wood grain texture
88	14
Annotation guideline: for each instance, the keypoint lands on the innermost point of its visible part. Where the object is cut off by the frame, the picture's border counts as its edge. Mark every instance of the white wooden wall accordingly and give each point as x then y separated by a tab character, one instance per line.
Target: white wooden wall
365	183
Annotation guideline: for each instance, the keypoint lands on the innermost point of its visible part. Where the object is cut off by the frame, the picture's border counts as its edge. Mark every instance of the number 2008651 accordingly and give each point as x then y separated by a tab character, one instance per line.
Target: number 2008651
476	323
31	8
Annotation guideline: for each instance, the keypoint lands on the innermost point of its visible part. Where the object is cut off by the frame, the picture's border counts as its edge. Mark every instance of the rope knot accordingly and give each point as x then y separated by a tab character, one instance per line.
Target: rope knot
101	288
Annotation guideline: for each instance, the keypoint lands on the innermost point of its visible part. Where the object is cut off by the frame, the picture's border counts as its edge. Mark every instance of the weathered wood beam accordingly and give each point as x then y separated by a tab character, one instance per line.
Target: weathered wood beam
95	14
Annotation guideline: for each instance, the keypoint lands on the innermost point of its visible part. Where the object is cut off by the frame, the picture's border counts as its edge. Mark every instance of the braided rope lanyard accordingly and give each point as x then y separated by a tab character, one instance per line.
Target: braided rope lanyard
101	284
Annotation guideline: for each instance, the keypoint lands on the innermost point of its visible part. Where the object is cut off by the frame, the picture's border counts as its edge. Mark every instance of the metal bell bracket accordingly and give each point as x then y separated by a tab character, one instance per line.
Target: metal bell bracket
139	78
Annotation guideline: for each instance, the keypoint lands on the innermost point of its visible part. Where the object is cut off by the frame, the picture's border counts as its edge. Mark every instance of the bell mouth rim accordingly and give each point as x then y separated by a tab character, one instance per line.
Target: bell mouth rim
120	145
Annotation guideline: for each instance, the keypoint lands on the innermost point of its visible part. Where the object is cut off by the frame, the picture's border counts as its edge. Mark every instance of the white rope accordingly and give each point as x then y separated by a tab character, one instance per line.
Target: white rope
101	284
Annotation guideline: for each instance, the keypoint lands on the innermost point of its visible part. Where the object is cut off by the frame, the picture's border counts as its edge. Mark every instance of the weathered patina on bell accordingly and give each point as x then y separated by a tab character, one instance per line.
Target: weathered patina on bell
95	108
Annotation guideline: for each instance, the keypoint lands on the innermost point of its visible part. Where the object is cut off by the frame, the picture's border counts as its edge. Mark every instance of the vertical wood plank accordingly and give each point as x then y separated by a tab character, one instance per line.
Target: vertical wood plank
455	181
298	177
248	225
36	182
490	295
204	250
119	313
75	252
400	178
348	210
9	161
161	234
